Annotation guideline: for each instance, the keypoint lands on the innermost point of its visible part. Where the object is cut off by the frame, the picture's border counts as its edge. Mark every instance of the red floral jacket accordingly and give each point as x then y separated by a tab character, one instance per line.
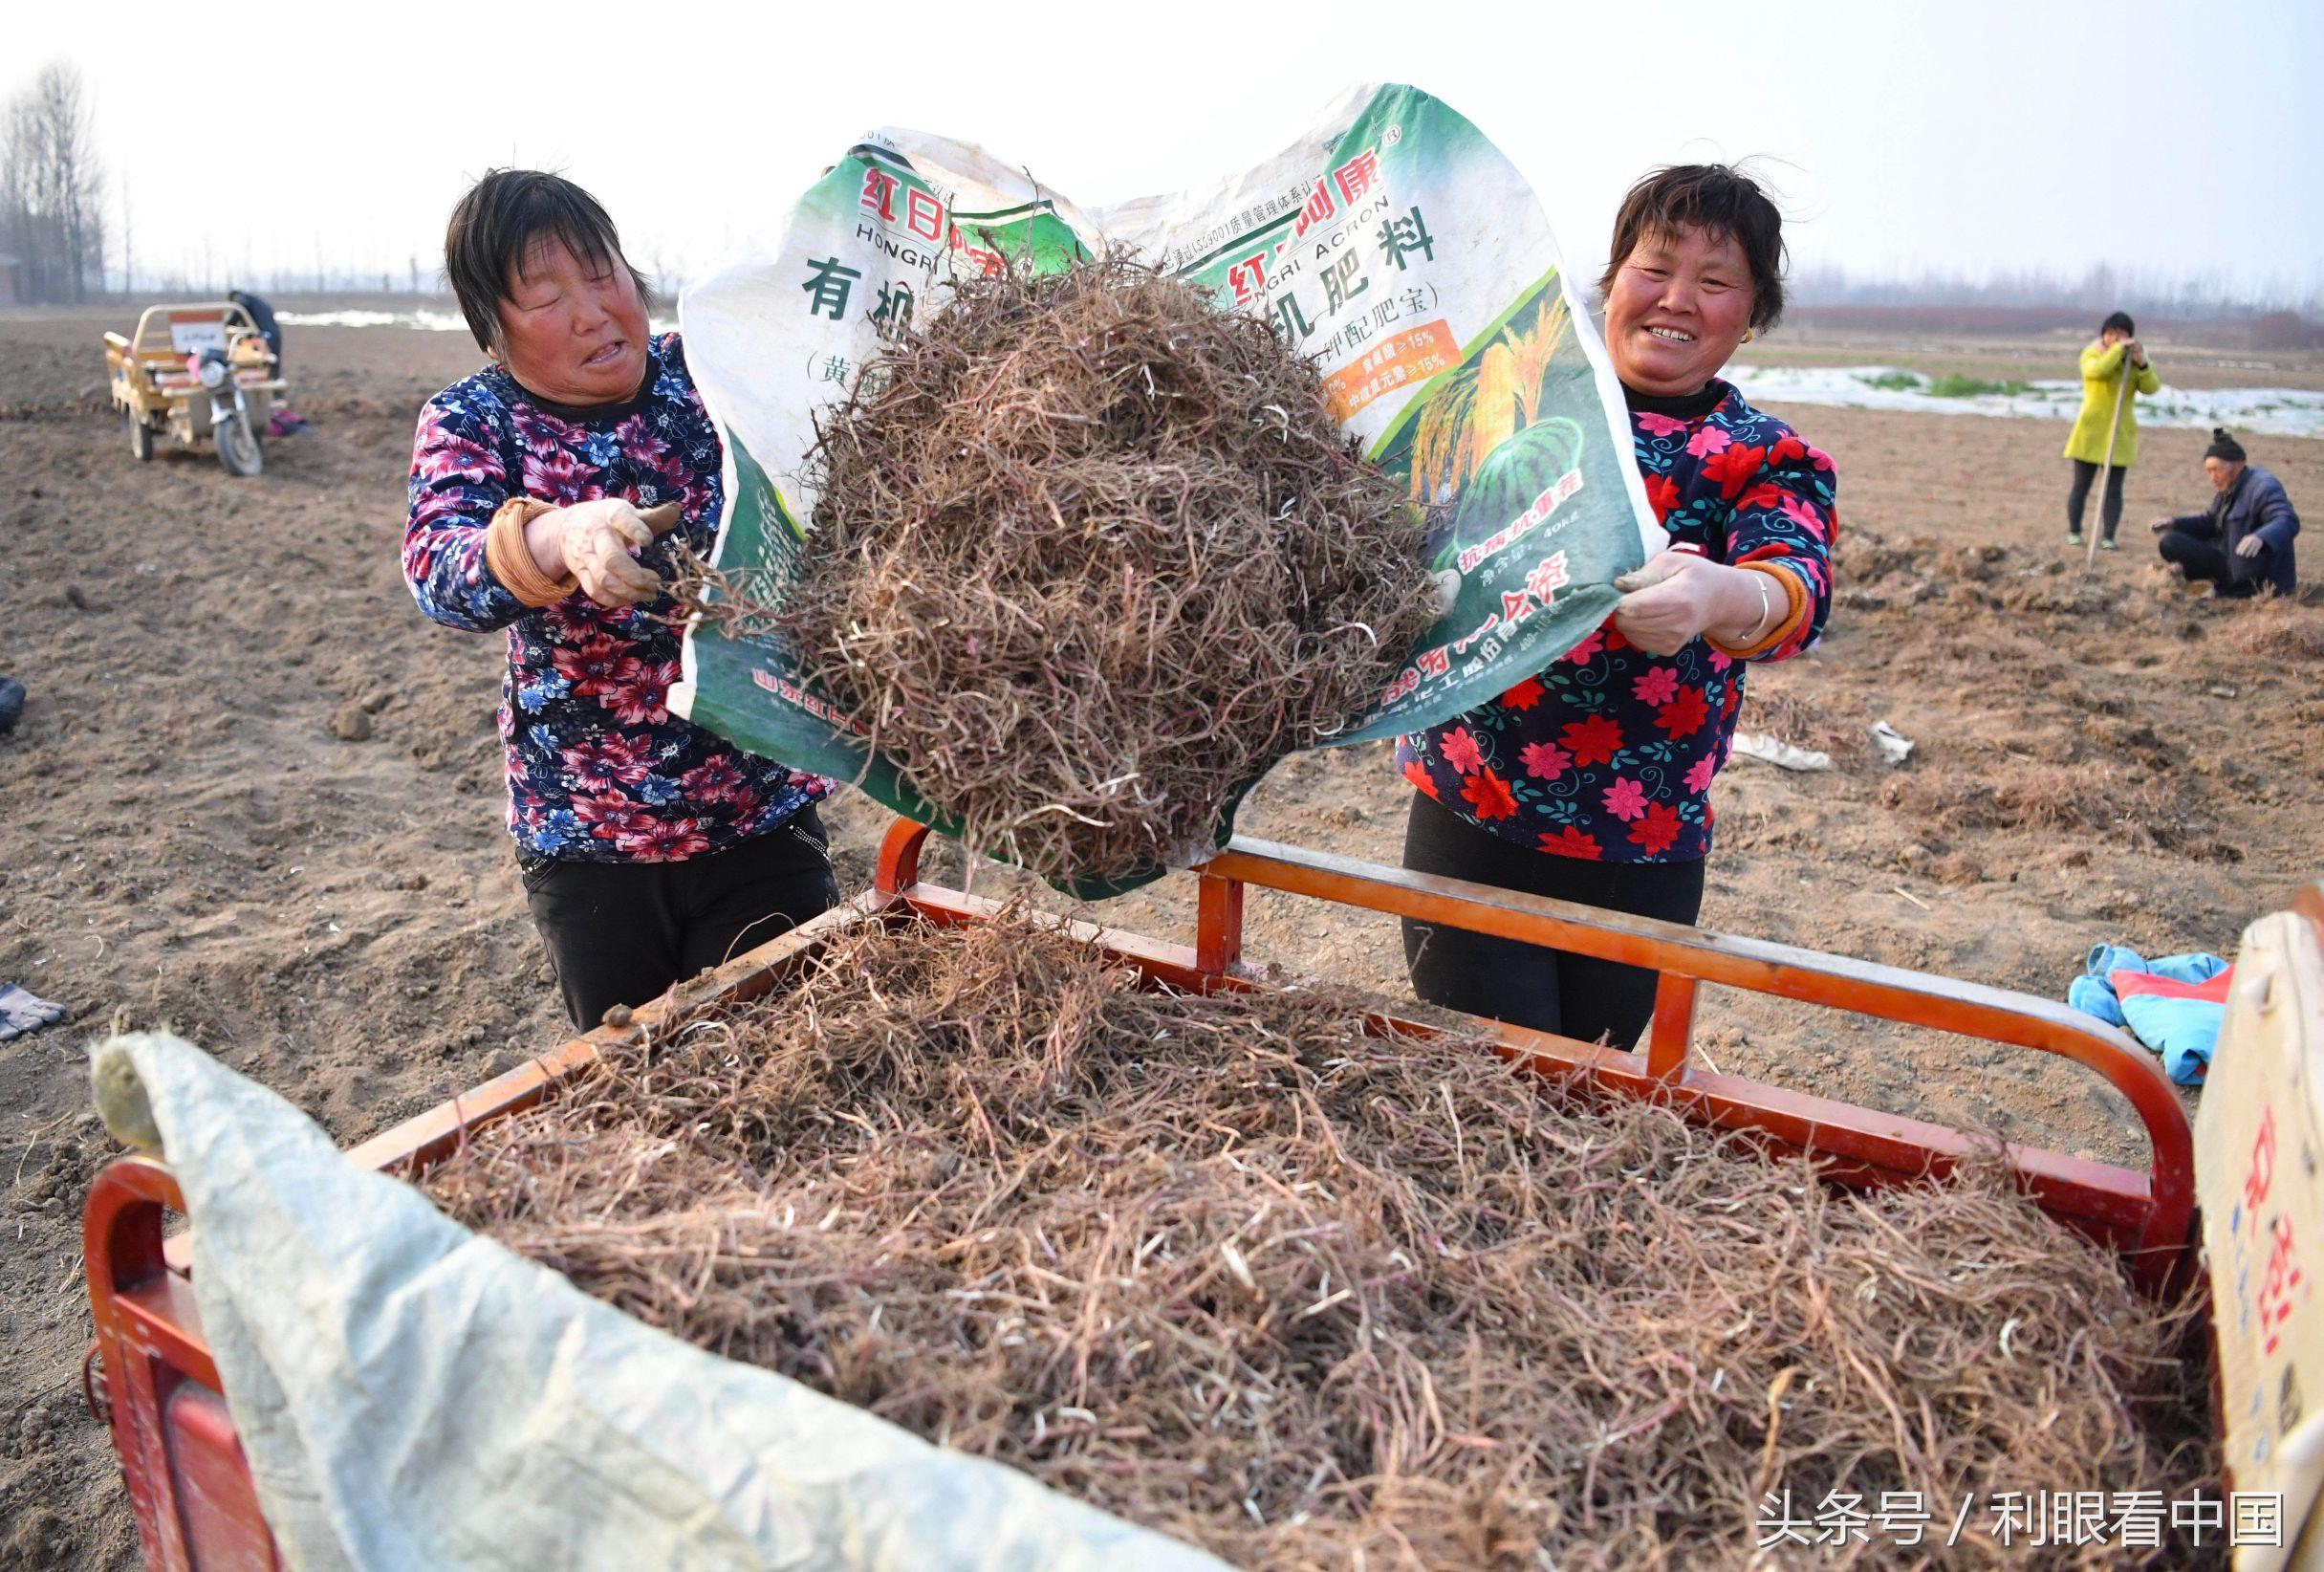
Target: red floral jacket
1610	752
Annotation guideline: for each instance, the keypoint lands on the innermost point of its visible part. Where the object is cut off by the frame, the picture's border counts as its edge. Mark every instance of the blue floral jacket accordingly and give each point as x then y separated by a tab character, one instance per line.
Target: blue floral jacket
599	771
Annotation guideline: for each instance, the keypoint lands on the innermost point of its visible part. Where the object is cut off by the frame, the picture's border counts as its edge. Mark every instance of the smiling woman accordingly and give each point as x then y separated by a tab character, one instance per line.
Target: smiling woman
1590	781
543	492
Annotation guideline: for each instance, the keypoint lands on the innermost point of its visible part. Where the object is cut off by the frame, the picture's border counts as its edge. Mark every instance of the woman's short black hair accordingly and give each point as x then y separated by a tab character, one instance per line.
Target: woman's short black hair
2119	320
495	226
1718	198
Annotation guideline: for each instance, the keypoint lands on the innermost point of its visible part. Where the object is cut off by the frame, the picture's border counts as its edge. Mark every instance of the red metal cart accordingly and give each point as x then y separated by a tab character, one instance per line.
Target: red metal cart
152	1377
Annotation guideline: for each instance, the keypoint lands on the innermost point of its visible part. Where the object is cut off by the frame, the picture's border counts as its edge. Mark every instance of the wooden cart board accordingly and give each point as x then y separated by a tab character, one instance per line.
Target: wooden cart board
2259	1175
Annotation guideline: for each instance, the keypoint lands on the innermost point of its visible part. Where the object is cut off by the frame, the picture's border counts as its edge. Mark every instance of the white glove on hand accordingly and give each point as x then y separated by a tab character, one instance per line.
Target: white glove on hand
596	541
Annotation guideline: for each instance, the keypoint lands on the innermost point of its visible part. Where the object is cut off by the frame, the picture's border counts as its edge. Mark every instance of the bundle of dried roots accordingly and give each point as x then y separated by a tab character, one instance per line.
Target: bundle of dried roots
1310	1297
1089	554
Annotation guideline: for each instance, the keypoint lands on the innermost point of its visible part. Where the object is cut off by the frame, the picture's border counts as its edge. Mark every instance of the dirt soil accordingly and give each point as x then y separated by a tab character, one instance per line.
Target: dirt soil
255	796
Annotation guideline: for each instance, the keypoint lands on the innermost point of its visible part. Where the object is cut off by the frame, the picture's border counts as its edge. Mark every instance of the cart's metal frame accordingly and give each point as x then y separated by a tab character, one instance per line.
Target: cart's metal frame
152	1374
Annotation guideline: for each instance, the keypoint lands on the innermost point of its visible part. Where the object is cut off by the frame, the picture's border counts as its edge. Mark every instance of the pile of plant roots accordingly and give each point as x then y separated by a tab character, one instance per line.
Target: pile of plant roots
1089	554
1232	1268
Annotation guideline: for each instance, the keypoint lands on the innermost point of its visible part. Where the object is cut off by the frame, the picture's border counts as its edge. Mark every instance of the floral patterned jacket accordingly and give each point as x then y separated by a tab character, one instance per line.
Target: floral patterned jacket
1609	754
599	771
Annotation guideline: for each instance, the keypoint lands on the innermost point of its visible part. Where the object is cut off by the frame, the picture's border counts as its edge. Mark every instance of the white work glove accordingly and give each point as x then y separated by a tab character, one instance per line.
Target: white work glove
1678	595
596	543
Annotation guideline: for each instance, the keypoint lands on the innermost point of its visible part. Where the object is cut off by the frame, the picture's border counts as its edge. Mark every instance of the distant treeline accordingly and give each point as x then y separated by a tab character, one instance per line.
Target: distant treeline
208	275
202	271
2189	297
51	192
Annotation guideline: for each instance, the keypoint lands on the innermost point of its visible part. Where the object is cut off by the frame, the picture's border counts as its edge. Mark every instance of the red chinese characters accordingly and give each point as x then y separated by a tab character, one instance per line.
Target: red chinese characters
924	216
2283	1276
879	194
1553	496
923	213
2262	1177
1249	279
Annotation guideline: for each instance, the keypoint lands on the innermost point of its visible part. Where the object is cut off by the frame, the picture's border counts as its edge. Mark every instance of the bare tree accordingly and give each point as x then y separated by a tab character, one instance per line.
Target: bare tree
21	215
128	241
52	187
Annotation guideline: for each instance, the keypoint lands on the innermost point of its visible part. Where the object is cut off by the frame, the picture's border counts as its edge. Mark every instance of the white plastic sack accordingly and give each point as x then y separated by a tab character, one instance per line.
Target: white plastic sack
1769	749
413	1396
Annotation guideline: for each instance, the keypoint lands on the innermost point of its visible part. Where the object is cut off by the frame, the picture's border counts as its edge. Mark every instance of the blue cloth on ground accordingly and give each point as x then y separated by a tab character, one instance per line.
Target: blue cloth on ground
2095	996
2183	1033
2193	968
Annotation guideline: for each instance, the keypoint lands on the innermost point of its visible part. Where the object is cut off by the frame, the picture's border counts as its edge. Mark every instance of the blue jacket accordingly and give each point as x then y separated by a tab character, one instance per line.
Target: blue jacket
2256	504
599	771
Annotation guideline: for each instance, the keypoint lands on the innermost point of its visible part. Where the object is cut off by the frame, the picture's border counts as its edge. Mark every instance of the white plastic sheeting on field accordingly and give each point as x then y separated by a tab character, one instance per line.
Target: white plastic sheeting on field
432	321
410	1394
2265	411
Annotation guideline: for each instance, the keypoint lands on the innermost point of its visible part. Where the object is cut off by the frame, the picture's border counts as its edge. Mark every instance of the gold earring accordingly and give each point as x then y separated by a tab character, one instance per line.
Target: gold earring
1748	335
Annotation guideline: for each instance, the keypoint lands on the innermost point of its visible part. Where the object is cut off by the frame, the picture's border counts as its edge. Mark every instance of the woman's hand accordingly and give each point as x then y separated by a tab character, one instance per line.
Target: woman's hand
2137	352
1679	596
2250	545
592	541
2161	524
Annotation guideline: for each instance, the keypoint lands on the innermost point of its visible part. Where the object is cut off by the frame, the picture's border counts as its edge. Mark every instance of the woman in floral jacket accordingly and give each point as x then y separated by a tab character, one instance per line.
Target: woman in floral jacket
648	848
1590	781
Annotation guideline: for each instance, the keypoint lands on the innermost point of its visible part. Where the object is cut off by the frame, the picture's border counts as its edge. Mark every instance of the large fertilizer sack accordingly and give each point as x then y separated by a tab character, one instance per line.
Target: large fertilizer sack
1391	247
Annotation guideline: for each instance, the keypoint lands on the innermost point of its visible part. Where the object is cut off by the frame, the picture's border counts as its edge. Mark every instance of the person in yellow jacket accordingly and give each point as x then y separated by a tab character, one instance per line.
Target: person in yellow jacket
2102	368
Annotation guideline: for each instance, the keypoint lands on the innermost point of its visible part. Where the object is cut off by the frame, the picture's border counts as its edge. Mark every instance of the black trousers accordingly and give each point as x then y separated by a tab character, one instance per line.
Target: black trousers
2110	509
623	932
2198	560
1547	989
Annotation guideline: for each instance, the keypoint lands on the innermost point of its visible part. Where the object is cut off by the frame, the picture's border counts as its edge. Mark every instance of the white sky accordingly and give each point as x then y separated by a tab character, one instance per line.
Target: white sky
2170	138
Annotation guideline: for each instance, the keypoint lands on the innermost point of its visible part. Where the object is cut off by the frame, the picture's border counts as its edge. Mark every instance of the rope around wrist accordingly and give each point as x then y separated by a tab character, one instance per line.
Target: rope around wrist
510	559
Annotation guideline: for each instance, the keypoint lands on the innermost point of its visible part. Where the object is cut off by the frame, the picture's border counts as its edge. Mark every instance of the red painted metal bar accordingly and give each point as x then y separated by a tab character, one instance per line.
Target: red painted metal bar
148	1303
217	1500
898	866
149	1340
1672	1035
1218	943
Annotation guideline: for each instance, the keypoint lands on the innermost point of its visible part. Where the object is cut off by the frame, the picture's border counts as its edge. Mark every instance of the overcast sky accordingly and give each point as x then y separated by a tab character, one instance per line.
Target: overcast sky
2170	138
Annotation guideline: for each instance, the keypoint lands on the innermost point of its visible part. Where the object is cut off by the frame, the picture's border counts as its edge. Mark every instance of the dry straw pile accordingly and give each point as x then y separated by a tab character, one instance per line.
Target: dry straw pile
1090	555
1311	1297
